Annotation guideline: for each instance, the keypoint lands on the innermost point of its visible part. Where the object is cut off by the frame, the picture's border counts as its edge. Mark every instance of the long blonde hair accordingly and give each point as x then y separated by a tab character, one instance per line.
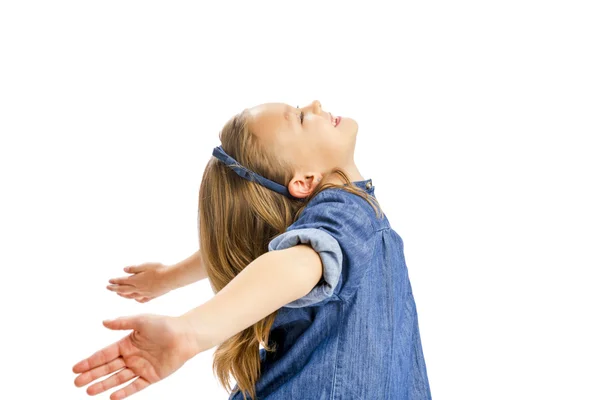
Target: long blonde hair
236	220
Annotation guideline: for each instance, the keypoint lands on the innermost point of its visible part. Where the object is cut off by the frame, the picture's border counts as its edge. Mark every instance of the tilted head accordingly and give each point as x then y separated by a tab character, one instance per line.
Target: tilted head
308	140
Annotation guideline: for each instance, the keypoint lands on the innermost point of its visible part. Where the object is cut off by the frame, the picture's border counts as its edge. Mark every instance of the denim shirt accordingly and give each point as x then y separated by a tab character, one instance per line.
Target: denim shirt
355	335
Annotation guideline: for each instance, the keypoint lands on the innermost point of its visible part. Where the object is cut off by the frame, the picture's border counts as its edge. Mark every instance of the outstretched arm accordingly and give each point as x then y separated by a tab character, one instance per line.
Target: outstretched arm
187	271
159	345
150	280
271	281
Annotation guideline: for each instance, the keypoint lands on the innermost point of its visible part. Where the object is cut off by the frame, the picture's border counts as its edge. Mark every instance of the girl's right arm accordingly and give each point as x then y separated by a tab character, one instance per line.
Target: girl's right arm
268	283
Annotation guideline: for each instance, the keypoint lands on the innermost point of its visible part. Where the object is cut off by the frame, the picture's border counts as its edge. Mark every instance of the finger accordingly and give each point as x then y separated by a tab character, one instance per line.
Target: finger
122	288
142	299
123	323
121	280
134	387
99	372
134	269
101	357
110	382
129	295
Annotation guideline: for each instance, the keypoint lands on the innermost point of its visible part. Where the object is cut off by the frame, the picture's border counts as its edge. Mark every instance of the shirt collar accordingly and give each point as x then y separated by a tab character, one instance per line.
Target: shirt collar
367	185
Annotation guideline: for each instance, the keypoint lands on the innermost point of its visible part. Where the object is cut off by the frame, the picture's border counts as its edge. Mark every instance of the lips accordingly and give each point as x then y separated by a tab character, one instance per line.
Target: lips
335	121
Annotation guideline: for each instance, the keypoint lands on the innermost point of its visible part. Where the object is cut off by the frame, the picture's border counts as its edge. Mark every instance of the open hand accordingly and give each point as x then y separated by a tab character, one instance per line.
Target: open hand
158	346
149	280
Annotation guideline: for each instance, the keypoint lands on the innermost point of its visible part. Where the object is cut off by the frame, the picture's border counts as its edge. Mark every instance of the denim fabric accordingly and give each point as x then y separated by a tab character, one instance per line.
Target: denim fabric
331	257
355	335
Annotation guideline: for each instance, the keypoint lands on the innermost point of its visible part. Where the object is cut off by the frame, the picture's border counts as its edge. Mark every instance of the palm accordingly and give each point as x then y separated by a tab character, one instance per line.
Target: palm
145	359
153	351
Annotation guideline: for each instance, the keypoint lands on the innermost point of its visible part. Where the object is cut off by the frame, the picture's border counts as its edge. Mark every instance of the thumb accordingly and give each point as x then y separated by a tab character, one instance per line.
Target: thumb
123	323
134	269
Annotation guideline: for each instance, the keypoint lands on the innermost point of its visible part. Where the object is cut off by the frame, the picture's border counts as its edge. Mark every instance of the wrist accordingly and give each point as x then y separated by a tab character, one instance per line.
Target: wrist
196	338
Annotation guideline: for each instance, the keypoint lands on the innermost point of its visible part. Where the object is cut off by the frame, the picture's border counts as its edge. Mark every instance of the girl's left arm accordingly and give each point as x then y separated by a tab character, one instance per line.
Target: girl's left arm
186	272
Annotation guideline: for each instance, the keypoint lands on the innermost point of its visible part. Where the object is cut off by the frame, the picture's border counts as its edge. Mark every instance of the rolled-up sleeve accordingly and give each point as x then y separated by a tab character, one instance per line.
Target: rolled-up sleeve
330	252
337	226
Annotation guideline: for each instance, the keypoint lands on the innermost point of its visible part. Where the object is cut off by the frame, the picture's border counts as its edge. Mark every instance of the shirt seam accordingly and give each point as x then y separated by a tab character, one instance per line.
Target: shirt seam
337	354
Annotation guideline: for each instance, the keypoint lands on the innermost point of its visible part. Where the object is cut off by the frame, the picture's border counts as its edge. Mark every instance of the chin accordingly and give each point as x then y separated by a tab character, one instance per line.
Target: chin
351	126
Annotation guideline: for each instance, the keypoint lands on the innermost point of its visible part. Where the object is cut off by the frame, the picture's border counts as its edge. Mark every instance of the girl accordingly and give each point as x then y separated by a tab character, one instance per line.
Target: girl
303	263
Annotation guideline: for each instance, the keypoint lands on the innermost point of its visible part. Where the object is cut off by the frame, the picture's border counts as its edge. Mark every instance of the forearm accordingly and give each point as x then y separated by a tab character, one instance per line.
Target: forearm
271	281
186	271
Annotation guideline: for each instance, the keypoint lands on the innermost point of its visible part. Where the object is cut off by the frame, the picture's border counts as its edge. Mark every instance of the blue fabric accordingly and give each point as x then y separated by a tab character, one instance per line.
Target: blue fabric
331	257
355	335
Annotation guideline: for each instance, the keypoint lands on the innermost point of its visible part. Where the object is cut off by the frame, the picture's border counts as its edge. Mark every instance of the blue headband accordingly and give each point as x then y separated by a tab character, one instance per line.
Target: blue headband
251	176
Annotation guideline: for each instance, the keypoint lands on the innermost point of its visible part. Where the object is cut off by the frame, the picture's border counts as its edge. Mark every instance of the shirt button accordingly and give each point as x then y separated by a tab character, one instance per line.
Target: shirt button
369	185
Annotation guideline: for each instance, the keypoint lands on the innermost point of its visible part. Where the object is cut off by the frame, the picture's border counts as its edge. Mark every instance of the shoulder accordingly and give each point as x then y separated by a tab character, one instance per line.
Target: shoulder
341	232
337	210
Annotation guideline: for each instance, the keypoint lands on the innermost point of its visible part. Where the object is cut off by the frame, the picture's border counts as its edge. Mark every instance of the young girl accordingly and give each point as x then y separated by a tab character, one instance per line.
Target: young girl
303	263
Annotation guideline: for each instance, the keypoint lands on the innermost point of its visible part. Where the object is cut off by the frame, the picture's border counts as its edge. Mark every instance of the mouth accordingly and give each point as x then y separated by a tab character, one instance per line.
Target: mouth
335	121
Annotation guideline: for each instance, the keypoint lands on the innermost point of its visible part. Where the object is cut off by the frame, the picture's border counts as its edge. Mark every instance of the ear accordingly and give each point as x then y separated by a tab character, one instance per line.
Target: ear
302	185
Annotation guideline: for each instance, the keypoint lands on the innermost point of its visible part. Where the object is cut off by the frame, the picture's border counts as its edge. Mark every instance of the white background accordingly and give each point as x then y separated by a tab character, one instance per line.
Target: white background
478	123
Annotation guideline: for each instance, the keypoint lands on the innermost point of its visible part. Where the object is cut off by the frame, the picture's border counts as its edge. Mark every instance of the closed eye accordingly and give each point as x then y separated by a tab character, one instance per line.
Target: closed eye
301	115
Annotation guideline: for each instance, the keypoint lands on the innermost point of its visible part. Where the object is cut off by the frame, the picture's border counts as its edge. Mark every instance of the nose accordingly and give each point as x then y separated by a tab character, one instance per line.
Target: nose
316	107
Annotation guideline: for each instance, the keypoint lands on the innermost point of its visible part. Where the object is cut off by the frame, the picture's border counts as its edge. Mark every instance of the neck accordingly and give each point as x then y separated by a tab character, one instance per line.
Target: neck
352	172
